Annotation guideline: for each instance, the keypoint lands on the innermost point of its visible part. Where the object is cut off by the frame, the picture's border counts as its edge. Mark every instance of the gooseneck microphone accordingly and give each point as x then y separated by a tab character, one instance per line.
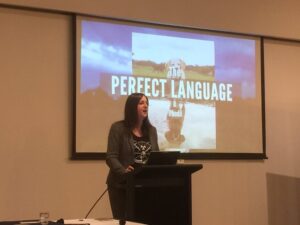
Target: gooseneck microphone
95	204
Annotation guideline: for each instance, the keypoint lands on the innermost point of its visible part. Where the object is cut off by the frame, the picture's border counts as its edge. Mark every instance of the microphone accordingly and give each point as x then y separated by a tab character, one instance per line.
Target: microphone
95	204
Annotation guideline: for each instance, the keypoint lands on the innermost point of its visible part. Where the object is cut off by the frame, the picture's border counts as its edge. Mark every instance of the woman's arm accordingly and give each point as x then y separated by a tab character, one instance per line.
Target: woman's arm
113	149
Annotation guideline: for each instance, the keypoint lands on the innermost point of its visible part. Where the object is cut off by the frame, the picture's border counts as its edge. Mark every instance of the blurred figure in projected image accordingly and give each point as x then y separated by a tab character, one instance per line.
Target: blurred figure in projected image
130	142
175	117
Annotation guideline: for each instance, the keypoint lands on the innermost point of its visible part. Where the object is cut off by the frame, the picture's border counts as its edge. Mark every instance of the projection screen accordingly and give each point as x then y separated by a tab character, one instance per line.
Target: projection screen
204	87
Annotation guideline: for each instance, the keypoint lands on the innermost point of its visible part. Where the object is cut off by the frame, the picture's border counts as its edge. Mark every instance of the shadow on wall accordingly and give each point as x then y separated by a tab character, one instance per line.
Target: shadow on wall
283	199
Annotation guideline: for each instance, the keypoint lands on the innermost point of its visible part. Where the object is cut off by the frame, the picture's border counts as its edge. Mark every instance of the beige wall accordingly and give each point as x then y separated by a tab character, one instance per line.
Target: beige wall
36	114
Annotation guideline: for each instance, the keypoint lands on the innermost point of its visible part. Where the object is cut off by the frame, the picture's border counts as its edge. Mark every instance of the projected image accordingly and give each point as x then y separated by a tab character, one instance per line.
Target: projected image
176	60
203	89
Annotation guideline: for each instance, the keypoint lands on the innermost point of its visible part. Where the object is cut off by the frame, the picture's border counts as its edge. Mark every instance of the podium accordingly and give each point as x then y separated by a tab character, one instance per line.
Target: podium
160	194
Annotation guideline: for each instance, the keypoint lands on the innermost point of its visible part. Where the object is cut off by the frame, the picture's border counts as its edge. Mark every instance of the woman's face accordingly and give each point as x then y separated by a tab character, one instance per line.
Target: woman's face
142	108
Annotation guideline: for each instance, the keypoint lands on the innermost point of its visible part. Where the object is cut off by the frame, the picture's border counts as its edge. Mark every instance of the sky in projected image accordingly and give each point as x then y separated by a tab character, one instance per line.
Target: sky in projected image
160	49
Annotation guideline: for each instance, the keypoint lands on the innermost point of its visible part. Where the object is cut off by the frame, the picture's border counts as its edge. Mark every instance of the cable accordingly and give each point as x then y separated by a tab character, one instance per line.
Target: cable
95	203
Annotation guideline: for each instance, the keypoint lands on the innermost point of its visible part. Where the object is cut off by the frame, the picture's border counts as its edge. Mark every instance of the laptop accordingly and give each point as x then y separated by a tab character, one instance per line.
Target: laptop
163	158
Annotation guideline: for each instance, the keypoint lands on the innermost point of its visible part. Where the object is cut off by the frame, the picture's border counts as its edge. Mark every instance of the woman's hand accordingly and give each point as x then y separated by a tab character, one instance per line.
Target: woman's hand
129	169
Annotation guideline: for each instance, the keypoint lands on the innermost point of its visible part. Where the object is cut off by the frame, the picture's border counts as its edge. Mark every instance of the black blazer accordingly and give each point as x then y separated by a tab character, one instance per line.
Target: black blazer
120	150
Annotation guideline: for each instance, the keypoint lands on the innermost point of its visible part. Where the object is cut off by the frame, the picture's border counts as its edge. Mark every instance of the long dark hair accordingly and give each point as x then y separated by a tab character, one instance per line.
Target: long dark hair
131	114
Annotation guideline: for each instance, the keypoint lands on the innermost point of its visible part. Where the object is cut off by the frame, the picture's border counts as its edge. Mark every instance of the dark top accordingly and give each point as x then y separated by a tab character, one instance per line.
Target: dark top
120	150
141	148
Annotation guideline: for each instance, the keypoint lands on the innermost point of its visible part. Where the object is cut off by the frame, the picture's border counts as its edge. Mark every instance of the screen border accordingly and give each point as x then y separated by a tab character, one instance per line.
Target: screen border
185	156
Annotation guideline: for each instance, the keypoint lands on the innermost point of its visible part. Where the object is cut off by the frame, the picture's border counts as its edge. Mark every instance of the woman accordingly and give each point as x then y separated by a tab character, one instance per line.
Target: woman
130	142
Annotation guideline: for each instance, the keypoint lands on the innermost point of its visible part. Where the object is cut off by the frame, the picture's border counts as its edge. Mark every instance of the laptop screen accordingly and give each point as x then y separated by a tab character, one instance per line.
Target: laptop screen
163	158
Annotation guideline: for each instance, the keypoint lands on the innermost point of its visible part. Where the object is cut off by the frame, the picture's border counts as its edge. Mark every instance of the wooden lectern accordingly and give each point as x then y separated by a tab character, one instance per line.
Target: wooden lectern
160	194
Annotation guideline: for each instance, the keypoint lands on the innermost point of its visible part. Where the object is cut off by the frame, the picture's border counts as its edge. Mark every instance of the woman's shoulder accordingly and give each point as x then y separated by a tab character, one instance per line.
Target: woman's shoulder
152	128
118	125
